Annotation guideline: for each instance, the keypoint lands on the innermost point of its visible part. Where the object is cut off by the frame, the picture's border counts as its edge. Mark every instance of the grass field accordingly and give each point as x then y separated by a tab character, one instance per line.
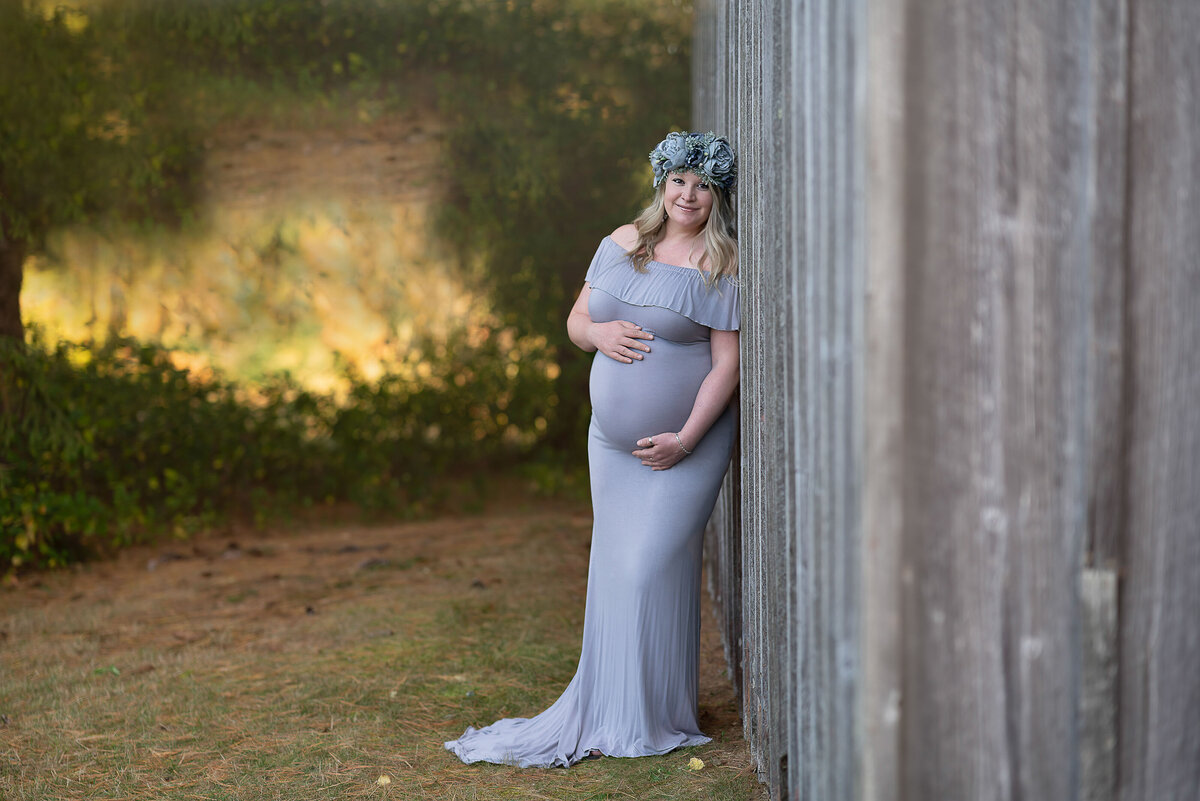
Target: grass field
321	663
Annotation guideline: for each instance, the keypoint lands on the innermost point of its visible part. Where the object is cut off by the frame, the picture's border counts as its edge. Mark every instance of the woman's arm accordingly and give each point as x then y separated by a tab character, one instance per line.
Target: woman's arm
711	401
618	339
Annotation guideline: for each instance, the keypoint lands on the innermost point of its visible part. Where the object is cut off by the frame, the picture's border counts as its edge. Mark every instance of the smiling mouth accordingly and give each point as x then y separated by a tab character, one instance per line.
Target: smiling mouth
687	208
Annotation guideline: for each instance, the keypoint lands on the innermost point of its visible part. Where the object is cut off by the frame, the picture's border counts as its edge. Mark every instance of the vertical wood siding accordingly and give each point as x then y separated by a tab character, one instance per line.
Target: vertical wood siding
1159	713
959	556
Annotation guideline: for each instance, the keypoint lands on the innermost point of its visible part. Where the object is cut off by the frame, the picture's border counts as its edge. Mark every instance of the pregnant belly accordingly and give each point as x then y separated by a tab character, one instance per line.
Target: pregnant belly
656	394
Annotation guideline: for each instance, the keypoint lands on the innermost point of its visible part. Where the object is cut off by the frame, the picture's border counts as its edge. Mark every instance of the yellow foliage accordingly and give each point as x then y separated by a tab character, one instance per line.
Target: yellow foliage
305	288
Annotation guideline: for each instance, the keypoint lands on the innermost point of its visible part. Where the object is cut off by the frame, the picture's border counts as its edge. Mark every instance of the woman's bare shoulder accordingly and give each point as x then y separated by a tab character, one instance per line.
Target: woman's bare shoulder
626	236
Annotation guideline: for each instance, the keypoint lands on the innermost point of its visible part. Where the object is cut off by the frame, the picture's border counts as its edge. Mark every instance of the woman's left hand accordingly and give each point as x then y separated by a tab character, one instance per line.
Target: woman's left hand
660	452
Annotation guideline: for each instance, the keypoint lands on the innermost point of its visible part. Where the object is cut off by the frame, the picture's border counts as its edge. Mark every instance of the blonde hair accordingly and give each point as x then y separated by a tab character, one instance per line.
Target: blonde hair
720	234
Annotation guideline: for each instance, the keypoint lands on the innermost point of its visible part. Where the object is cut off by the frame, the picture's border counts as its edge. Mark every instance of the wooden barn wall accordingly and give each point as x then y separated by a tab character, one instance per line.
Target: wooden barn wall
959	554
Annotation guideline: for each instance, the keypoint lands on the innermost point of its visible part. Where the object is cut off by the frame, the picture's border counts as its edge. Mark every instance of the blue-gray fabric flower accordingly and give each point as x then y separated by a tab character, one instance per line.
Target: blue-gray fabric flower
669	156
719	161
705	154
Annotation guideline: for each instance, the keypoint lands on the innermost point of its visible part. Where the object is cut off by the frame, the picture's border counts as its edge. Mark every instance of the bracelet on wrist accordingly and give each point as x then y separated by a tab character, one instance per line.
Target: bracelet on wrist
685	450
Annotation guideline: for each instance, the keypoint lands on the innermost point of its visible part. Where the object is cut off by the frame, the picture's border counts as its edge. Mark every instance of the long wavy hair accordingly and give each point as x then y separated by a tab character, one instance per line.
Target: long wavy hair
720	234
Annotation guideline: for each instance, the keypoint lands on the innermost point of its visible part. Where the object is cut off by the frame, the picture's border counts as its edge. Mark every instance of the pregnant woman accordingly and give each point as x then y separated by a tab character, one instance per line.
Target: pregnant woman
660	309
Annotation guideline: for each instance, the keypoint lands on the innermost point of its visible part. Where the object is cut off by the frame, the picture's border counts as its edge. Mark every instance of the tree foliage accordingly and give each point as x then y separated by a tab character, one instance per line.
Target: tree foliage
82	135
552	155
552	106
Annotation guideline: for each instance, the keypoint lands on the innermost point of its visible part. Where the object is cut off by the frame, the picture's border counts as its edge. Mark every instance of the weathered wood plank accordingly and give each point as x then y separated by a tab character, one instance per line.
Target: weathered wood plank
1098	685
1106	195
757	518
885	365
995	263
1160	636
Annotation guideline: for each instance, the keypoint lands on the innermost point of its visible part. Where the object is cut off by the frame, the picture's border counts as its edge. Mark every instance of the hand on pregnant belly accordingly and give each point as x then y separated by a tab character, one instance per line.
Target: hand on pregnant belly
660	452
620	340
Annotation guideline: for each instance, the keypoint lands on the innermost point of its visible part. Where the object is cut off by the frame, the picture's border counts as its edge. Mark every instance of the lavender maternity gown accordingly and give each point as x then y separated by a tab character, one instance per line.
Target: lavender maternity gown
634	693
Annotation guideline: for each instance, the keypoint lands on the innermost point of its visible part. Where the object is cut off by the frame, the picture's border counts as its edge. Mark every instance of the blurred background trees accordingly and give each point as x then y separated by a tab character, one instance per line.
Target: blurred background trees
82	134
281	253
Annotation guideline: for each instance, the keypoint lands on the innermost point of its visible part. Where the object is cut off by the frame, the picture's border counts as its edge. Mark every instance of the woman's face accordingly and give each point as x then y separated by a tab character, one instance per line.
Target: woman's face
688	199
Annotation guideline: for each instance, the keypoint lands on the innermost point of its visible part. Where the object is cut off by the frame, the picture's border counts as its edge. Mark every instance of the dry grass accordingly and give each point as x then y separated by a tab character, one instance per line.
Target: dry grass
309	664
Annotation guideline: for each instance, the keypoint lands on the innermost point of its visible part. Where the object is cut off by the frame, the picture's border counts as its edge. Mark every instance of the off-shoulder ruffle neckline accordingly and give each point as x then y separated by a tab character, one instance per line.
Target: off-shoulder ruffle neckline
664	286
681	268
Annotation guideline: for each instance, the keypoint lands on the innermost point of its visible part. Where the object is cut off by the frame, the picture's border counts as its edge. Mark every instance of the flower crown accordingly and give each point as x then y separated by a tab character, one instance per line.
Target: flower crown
705	154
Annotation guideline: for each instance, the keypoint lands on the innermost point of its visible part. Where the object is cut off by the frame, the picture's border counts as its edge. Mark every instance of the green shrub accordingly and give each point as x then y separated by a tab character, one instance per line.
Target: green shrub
101	447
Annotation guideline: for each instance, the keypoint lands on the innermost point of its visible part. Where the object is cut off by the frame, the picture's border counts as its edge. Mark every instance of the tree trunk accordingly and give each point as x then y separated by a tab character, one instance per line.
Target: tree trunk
12	269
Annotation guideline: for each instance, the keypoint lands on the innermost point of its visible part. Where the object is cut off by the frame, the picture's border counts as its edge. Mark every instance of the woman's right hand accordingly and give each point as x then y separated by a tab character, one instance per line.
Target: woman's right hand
620	340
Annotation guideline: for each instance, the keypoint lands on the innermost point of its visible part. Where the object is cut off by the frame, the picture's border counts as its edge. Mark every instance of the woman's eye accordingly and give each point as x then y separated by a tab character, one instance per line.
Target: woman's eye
703	186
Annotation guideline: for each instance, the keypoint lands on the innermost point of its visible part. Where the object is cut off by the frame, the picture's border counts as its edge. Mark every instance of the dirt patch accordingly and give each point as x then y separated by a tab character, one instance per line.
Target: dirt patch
397	158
